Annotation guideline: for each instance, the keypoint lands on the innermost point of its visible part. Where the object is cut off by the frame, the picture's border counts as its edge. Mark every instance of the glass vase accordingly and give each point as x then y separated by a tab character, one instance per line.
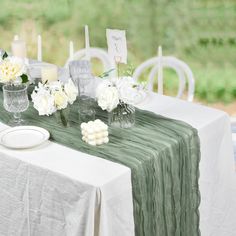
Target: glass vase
62	117
123	116
86	109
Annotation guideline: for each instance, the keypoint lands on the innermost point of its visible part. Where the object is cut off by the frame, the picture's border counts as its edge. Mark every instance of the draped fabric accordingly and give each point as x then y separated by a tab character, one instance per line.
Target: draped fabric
39	202
163	155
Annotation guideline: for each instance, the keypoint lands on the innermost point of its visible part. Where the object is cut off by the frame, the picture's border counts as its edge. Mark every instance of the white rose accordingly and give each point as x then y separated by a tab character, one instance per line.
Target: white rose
128	89
102	85
43	101
11	68
107	97
71	91
60	99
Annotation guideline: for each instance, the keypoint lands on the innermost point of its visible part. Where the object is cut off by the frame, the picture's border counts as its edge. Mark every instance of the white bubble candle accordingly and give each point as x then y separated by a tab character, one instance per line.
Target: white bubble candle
95	132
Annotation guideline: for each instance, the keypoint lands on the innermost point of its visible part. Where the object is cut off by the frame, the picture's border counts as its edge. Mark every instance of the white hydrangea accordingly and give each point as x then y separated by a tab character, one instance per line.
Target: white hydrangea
11	68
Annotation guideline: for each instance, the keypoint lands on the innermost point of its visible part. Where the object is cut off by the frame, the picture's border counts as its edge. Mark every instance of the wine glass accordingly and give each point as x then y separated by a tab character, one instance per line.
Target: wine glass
80	73
15	100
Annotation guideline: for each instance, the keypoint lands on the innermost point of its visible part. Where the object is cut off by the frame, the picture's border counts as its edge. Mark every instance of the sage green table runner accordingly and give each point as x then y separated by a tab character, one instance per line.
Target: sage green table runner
163	155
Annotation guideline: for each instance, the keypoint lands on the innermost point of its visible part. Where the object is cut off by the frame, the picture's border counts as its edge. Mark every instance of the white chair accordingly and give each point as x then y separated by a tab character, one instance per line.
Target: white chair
97	53
182	69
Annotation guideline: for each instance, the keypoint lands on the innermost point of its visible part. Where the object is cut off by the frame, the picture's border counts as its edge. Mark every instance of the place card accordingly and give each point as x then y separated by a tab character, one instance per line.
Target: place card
117	46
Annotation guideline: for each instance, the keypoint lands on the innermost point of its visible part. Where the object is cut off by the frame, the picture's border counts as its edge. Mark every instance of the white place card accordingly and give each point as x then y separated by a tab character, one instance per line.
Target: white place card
117	47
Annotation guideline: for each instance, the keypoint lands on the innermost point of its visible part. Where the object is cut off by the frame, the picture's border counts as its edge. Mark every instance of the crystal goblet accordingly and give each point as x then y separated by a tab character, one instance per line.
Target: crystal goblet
15	100
80	73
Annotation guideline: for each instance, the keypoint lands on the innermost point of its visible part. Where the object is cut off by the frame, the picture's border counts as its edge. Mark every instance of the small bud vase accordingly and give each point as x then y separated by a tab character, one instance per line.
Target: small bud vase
123	116
62	117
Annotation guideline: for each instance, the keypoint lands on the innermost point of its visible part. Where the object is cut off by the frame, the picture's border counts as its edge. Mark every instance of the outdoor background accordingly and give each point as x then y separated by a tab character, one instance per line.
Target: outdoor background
200	32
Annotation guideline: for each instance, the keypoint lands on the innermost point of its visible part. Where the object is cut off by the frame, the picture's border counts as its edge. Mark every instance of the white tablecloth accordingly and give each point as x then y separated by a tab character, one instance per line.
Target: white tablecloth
108	208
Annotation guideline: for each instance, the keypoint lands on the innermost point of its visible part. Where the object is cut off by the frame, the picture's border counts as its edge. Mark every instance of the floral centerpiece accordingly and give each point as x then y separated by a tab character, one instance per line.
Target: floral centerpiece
55	96
12	70
13	82
117	96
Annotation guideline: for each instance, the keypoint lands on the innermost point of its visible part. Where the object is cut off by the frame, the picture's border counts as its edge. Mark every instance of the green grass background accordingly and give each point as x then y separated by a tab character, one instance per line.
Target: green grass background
200	32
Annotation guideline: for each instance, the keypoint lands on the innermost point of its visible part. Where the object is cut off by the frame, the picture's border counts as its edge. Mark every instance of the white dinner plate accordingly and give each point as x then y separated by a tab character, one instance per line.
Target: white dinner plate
23	137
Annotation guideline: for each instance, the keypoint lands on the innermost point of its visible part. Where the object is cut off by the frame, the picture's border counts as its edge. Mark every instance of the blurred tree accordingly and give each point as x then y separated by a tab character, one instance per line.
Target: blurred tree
201	32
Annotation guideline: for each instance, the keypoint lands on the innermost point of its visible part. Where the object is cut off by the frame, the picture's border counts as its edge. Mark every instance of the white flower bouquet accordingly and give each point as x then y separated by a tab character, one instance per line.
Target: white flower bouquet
117	96
12	70
54	96
112	92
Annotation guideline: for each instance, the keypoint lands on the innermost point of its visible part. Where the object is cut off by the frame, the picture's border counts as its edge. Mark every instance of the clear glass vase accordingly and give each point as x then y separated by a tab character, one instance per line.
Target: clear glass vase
86	109
62	117
123	116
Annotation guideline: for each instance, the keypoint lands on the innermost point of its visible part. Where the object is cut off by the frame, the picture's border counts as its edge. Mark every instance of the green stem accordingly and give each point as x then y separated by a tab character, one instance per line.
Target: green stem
118	70
63	118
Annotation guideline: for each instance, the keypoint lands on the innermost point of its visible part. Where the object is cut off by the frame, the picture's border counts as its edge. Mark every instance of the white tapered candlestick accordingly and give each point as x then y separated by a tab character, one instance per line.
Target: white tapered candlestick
87	45
160	71
71	50
16	37
39	48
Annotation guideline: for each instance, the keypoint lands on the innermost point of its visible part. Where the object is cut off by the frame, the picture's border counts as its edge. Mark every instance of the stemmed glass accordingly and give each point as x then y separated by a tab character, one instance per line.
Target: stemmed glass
15	101
80	73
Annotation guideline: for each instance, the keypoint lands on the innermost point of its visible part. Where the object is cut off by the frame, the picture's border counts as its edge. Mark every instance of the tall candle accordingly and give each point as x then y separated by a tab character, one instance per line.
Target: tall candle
71	50
16	37
49	73
18	48
160	71
39	48
87	46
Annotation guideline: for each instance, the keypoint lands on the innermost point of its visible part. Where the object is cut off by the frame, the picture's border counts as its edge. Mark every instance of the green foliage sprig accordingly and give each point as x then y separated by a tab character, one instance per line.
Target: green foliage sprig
106	73
5	55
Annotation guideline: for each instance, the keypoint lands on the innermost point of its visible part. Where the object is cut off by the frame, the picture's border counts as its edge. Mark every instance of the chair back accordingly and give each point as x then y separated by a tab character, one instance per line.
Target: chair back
182	70
97	53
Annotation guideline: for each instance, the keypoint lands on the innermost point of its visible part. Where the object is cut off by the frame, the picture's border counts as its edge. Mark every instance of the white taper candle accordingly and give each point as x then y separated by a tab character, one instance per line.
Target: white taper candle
87	45
71	50
39	48
160	71
16	37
